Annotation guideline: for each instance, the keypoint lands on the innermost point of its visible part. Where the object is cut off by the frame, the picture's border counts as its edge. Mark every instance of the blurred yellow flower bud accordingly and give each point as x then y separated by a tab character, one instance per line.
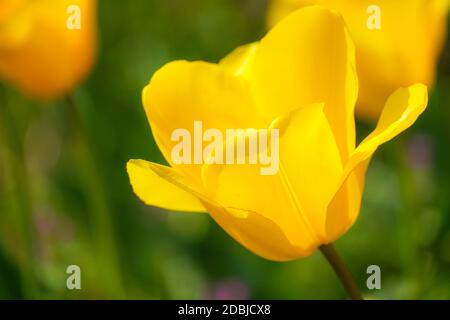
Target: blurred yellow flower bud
398	42
47	47
300	80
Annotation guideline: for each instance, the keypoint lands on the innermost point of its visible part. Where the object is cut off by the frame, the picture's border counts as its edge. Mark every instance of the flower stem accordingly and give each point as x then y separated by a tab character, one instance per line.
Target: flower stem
15	161
103	227
341	271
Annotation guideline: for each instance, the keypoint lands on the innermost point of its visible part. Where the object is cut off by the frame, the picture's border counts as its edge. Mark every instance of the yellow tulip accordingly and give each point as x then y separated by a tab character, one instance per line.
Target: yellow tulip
401	50
40	52
300	79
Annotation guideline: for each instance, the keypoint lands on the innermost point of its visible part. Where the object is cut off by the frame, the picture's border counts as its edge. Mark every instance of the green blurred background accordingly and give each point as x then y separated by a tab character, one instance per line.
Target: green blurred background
87	215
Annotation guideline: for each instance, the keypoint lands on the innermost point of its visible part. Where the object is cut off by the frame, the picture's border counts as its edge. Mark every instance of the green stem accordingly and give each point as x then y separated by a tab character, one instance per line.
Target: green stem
408	251
103	227
341	271
15	162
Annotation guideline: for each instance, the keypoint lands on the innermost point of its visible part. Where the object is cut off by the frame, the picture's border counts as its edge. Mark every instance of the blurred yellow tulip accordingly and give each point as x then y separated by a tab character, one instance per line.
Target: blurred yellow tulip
398	42
299	79
47	47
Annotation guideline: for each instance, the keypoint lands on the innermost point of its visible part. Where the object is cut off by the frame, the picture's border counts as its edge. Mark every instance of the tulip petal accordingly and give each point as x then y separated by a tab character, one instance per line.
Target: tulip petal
438	11
150	183
238	60
256	232
252	230
401	110
294	198
33	62
182	92
402	50
16	24
308	150
309	58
